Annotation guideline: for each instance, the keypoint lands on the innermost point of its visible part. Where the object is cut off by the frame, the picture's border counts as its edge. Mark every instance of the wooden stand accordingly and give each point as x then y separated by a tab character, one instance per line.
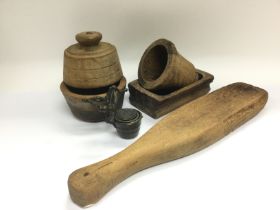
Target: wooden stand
157	104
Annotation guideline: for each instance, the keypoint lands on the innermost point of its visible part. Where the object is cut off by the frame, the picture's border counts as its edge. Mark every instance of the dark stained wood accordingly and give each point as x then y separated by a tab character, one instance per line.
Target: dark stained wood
183	132
84	110
159	103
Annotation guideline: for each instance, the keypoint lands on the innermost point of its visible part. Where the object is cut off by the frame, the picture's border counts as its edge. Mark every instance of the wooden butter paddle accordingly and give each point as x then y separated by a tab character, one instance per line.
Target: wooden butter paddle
185	131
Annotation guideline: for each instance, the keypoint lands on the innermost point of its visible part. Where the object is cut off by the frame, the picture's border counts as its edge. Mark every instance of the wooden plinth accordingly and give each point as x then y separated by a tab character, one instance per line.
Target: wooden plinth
157	104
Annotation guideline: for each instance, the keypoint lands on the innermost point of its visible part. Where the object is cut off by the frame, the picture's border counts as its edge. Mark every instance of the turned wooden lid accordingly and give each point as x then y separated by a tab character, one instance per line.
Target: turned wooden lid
91	63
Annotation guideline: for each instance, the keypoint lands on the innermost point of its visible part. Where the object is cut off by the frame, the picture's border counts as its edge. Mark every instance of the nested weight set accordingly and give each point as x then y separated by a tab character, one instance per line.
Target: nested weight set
94	87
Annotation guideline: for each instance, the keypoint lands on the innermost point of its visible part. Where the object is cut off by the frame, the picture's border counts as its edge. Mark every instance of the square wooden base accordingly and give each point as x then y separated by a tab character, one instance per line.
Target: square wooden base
160	103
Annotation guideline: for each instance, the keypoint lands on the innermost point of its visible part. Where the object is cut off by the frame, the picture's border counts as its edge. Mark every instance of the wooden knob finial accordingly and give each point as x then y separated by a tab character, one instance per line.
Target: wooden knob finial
89	38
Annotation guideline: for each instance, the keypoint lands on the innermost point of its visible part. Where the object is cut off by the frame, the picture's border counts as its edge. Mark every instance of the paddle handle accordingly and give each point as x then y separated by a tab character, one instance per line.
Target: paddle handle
89	184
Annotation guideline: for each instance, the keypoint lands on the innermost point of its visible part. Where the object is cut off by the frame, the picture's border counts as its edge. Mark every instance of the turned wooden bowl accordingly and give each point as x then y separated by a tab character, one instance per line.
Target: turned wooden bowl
162	67
77	101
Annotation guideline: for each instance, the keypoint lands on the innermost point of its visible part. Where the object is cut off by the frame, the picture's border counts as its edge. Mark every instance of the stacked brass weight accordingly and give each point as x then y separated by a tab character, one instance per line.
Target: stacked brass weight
90	68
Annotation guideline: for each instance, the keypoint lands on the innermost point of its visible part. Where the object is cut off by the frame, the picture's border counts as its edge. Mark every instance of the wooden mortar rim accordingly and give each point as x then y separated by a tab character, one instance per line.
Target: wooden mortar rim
170	50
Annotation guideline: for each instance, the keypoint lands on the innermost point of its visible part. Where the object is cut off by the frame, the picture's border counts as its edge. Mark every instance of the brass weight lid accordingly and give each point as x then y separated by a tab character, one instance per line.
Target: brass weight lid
91	63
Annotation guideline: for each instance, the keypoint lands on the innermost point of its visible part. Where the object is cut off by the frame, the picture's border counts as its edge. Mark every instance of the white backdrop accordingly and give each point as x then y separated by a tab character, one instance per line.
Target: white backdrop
41	143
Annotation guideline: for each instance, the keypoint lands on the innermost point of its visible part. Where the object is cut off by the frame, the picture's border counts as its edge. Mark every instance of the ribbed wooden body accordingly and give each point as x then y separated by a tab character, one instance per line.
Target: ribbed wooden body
90	68
94	69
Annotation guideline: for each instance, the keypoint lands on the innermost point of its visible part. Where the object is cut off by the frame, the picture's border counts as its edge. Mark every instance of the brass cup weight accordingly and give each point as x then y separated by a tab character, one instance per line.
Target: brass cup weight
127	121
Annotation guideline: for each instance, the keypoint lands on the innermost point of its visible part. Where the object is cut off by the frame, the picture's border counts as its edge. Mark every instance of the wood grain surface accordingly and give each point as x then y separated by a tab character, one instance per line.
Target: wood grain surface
91	63
183	132
162	67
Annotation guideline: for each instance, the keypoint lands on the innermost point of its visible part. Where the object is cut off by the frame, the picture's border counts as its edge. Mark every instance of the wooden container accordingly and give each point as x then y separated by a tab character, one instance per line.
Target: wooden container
162	67
91	63
90	68
161	102
166	80
83	110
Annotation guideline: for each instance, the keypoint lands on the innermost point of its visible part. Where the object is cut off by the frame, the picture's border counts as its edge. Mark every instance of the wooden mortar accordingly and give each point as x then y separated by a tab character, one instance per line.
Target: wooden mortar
162	67
84	110
90	68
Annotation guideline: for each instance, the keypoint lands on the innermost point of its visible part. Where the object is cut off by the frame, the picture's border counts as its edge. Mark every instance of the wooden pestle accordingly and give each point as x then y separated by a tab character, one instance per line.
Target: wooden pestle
185	131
